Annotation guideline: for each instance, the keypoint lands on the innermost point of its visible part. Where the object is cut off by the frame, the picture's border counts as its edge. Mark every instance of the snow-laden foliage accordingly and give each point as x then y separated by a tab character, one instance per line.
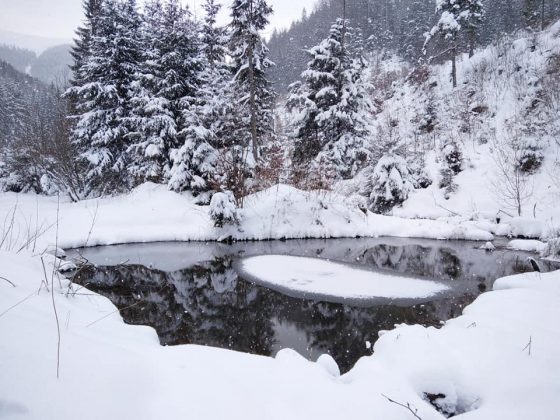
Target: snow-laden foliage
223	209
552	249
390	184
331	105
253	95
103	91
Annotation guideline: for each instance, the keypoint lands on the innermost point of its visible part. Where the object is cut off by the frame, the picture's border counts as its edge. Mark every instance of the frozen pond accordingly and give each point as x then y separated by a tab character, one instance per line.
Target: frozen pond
192	293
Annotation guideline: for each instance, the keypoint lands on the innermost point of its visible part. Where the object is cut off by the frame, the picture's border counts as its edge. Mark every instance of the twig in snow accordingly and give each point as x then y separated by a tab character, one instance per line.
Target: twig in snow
92	222
444	208
528	346
4	278
56	318
17	304
407	406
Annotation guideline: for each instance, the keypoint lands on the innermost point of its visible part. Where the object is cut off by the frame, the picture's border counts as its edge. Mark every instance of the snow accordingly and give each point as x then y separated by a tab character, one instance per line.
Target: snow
152	213
530	245
497	361
327	280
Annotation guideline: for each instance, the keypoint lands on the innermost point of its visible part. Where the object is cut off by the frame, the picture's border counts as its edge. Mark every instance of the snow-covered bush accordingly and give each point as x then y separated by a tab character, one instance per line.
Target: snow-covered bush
446	181
390	184
530	156
223	209
452	162
552	249
452	155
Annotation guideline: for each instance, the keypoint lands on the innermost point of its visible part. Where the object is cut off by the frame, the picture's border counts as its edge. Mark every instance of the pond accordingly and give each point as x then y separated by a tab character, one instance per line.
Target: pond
192	293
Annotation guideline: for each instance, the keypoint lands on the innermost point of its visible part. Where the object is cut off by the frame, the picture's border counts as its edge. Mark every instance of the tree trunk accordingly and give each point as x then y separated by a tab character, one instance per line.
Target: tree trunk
472	38
542	15
252	94
454	62
253	106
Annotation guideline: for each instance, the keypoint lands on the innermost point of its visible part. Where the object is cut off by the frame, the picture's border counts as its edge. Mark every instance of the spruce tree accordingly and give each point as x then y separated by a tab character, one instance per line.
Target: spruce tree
193	159
253	91
331	105
103	98
80	51
456	15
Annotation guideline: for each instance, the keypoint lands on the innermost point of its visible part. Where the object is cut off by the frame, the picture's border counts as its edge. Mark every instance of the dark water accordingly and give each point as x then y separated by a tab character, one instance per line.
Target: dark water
191	292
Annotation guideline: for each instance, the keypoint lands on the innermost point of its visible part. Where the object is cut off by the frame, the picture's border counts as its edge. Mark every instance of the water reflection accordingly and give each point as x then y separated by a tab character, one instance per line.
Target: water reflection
191	293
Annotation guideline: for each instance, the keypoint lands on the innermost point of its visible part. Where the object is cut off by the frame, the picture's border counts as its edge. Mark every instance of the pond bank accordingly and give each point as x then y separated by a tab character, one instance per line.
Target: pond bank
479	362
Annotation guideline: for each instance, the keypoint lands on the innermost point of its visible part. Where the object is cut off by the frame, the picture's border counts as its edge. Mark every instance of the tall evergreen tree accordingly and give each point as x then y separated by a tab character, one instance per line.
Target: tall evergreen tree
193	161
253	90
332	104
80	51
104	97
456	15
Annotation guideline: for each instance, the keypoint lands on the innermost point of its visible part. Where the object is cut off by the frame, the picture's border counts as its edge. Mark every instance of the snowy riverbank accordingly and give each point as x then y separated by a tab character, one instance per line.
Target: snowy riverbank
499	360
152	213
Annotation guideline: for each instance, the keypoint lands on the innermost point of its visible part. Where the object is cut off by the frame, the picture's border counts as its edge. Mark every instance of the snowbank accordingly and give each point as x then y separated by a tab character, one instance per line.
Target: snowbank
530	245
151	213
332	282
499	360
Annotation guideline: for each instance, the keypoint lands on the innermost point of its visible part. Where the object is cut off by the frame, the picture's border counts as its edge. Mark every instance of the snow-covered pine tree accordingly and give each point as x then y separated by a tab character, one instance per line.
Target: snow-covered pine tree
454	16
103	95
254	95
80	51
332	105
216	75
169	79
390	184
213	37
471	19
193	161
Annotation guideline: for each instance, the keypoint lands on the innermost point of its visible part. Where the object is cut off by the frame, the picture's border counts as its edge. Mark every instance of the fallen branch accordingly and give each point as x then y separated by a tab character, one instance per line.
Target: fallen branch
4	278
407	406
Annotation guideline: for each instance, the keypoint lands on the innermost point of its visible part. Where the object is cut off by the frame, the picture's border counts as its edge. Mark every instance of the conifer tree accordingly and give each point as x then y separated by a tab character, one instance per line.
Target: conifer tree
103	99
456	15
254	93
216	75
193	161
80	51
332	105
168	74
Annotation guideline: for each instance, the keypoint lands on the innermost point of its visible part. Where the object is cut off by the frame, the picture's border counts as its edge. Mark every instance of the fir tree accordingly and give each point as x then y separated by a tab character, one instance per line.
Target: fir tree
169	76
390	184
454	16
193	160
253	92
80	51
332	104
103	98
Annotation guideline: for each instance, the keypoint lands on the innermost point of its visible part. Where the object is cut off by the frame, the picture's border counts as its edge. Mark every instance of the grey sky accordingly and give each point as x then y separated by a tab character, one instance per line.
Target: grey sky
59	18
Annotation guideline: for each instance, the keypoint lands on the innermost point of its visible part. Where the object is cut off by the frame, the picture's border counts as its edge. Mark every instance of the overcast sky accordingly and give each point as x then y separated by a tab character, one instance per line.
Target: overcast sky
59	18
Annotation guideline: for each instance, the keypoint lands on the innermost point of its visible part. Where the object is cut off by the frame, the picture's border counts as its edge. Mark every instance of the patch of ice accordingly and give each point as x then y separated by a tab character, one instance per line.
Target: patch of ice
325	279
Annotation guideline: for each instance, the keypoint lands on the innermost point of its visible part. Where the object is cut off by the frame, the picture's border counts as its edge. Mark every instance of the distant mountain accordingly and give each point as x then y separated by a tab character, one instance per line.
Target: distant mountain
30	42
52	66
19	58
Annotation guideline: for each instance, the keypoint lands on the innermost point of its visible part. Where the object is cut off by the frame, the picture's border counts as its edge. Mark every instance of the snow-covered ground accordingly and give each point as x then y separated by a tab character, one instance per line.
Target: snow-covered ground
499	360
330	281
152	213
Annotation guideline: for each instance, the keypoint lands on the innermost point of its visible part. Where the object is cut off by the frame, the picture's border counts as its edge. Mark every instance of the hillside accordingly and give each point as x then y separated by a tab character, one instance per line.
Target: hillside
395	26
50	66
467	141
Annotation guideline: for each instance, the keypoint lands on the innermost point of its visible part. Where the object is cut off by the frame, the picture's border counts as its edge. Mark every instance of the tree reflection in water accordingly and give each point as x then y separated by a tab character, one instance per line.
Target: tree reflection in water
209	304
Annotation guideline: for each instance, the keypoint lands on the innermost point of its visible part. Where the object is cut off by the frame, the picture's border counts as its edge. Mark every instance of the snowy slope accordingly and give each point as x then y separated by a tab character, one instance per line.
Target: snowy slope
508	92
